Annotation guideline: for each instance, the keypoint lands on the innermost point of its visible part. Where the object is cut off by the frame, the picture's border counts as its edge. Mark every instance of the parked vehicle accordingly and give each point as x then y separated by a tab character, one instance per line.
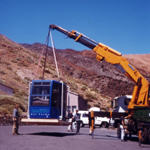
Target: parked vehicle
99	121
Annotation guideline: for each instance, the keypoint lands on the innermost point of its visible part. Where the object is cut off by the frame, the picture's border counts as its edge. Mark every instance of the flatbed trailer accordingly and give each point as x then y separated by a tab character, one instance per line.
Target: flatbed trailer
45	122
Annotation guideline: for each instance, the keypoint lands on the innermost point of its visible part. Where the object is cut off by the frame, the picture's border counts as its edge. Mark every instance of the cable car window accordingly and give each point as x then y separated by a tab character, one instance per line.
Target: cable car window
40	100
37	83
46	83
41	90
56	95
64	99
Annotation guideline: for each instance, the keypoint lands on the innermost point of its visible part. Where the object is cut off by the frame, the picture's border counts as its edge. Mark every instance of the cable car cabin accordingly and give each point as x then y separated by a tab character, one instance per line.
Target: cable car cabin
47	100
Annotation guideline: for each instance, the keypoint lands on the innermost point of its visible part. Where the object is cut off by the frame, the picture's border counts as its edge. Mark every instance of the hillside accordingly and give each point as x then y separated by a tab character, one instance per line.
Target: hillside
18	67
97	82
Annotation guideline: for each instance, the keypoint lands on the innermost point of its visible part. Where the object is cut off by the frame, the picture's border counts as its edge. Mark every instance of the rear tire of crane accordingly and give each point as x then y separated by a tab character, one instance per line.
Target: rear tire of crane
144	135
118	131
149	135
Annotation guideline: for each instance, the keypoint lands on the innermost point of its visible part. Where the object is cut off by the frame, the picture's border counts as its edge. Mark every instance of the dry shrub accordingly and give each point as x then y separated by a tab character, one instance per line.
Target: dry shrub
90	96
29	60
2	72
9	68
7	104
83	88
14	61
23	64
17	78
19	93
28	79
4	111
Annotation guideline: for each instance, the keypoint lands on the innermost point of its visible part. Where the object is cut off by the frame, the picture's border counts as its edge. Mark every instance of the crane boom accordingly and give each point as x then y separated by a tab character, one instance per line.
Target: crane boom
140	96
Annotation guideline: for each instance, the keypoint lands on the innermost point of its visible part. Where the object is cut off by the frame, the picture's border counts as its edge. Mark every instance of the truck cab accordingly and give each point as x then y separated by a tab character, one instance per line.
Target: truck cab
120	104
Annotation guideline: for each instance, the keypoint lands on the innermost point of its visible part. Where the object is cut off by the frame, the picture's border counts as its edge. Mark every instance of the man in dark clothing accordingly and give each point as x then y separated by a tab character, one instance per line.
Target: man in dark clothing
77	119
70	117
16	120
89	118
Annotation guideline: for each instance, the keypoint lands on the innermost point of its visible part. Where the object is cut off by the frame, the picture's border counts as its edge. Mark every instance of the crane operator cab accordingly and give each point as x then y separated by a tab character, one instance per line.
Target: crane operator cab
47	99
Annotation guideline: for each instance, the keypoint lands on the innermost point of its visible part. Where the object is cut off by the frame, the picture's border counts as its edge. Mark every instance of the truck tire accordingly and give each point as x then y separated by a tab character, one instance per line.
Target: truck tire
149	135
104	125
144	135
118	131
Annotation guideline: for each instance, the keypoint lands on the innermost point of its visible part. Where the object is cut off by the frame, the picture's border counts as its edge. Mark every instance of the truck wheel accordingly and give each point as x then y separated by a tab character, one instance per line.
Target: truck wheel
104	125
144	135
118	131
149	135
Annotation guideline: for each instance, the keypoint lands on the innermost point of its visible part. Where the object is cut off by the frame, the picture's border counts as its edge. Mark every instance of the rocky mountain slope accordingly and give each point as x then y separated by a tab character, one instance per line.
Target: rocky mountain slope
104	77
97	82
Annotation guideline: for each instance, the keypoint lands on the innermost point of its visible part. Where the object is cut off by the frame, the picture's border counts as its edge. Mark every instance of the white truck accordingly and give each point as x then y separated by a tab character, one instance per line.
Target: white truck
99	121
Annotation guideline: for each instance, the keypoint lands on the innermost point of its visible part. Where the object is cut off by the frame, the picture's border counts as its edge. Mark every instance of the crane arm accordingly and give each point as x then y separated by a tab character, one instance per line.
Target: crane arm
140	96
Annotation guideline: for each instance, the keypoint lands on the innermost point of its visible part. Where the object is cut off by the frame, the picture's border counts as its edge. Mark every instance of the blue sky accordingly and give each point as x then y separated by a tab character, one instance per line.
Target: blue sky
123	25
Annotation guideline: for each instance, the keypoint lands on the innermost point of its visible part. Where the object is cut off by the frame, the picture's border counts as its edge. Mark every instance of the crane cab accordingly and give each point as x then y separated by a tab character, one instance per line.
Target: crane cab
47	99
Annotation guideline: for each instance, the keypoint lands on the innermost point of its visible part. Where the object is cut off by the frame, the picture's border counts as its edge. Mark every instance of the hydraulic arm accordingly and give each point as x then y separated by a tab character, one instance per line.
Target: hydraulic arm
140	96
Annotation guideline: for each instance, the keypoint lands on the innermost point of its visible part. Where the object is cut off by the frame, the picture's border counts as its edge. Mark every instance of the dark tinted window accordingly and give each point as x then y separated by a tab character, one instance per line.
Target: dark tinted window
126	101
56	95
84	115
41	90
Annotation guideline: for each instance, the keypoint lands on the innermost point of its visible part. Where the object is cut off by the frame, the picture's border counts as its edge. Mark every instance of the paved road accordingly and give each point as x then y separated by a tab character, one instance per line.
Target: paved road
57	138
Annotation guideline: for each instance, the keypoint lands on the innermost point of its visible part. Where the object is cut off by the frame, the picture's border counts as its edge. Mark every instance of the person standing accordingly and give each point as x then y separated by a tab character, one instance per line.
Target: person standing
92	123
70	117
89	118
77	119
15	120
122	127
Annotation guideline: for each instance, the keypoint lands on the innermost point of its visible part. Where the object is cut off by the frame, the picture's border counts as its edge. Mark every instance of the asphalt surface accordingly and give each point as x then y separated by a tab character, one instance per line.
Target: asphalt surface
57	138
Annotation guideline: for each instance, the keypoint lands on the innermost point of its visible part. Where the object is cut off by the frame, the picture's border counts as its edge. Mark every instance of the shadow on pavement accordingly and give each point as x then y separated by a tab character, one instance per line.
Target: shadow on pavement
57	134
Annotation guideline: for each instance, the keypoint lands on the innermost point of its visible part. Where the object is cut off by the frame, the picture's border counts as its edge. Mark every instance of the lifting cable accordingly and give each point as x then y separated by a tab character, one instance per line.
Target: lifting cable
47	41
54	56
40	58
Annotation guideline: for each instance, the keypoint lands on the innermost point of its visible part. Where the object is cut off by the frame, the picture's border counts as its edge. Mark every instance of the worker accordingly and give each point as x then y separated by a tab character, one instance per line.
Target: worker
89	118
92	123
122	127
70	117
77	119
15	120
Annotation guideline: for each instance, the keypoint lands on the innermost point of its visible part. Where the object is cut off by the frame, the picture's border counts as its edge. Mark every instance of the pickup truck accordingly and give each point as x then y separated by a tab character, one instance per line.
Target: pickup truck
103	122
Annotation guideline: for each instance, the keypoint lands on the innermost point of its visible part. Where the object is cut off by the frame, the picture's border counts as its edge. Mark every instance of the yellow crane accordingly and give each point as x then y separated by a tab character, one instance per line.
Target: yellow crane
140	101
